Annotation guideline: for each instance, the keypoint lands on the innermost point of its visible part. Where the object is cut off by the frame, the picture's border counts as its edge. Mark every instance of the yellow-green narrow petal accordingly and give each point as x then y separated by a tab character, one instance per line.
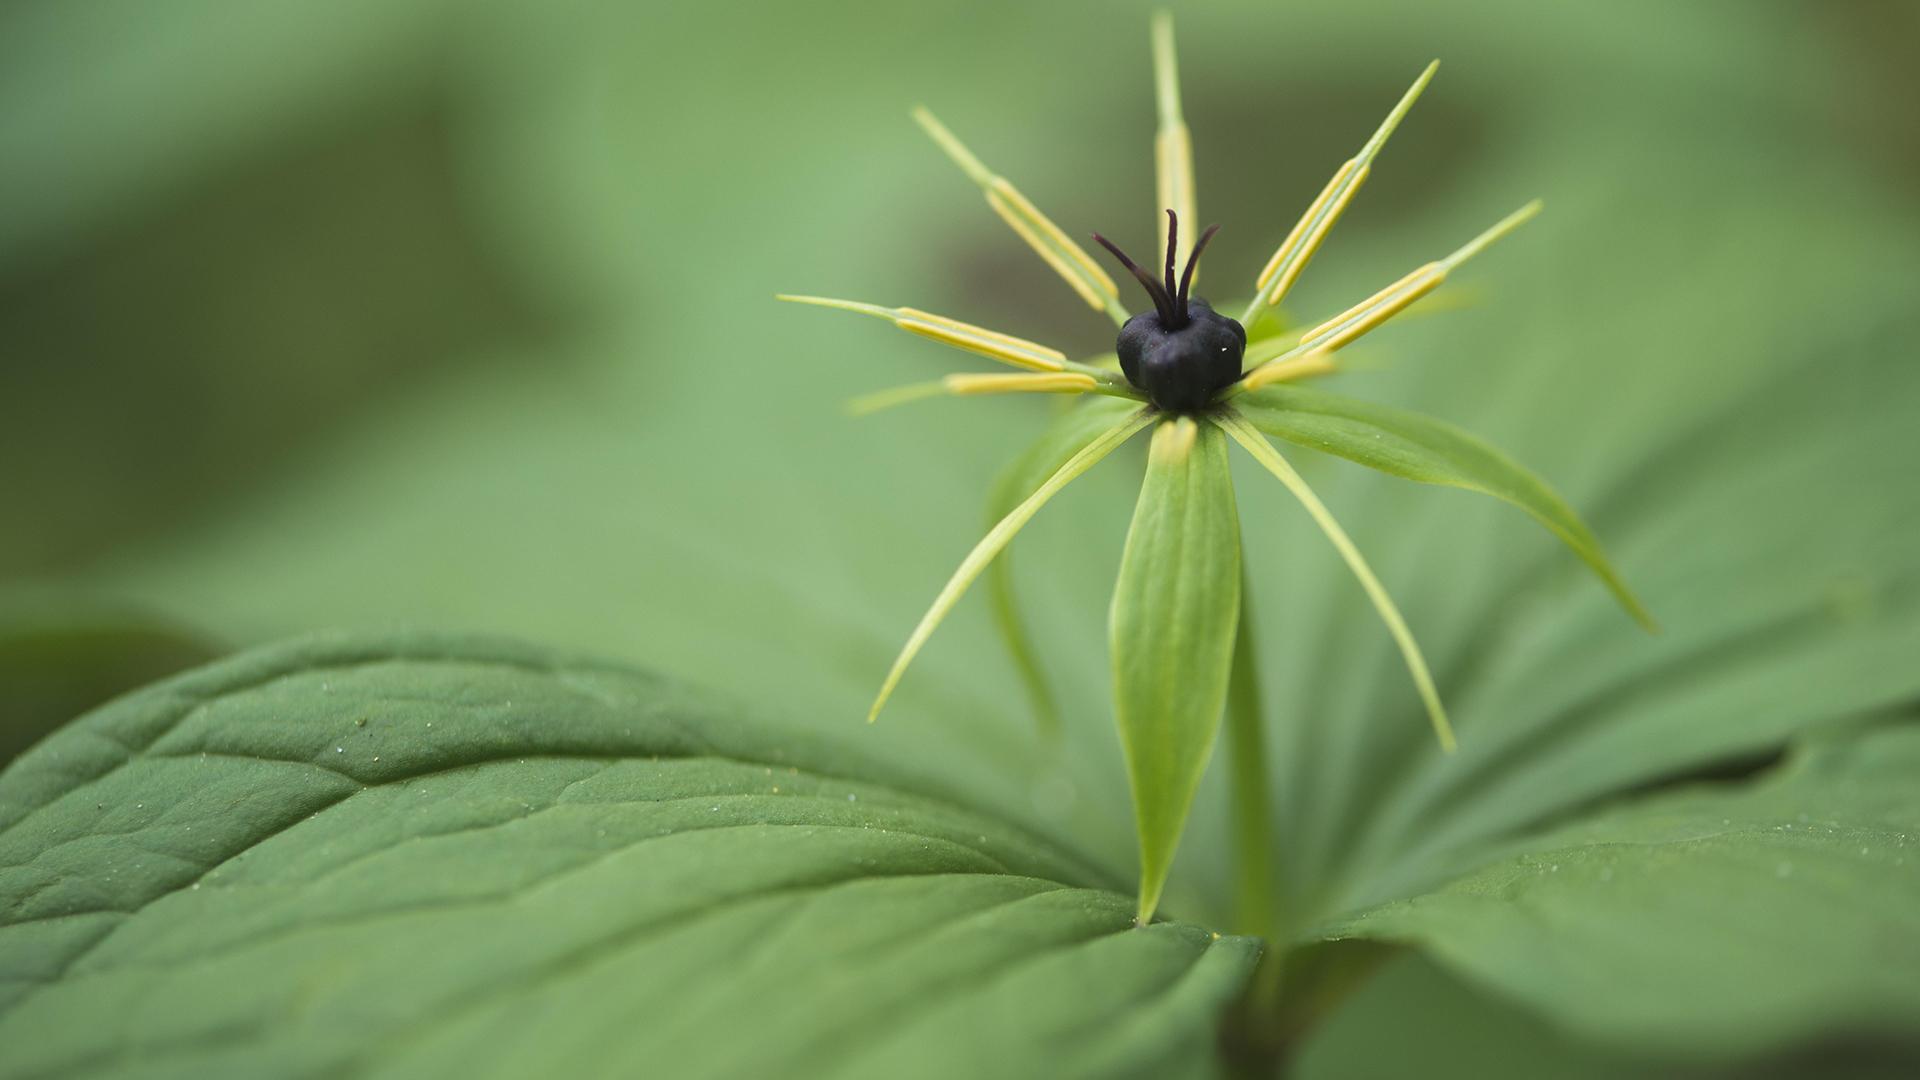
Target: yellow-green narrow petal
1065	436
1263	452
1018	352
998	538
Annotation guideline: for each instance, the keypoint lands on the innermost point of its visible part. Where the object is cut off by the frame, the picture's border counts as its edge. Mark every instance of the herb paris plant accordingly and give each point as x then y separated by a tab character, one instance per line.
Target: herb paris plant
1177	607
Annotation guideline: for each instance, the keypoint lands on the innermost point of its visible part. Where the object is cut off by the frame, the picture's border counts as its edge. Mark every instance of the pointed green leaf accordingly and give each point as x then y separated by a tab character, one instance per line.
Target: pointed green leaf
1416	447
444	857
1175	608
998	538
1066	436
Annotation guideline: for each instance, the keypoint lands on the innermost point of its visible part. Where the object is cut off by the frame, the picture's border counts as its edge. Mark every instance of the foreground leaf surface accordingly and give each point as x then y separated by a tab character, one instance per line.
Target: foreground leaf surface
1768	523
1748	917
434	857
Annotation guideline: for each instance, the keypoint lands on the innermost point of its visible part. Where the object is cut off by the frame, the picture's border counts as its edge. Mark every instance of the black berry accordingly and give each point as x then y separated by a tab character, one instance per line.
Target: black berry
1183	352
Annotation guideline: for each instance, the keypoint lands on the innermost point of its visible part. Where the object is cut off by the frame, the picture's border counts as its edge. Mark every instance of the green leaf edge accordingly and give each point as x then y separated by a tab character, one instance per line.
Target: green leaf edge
1195	486
1312	418
1065	436
106	739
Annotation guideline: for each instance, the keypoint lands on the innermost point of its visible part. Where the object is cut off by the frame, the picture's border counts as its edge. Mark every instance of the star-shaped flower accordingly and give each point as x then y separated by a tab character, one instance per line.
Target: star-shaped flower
1191	375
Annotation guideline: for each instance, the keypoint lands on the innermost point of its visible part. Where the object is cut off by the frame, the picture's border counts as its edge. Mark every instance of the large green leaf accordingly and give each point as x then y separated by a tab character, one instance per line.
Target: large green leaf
1786	628
435	857
1417	447
1746	918
1813	617
1175	609
575	493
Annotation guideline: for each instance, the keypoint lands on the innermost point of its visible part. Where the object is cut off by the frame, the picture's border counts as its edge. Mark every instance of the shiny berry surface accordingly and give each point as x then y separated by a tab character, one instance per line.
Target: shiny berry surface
1180	370
1183	352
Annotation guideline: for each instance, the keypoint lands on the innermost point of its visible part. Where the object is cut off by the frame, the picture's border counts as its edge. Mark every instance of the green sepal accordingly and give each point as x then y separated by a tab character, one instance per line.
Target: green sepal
1175	609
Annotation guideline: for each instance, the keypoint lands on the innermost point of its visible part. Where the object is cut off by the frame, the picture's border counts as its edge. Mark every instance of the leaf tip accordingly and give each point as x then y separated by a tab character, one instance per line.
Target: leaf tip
812	301
1149	900
886	688
1645	618
1625	597
1436	710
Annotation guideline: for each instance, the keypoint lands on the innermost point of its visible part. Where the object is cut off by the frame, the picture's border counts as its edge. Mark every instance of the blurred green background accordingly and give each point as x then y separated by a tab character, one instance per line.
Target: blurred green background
365	314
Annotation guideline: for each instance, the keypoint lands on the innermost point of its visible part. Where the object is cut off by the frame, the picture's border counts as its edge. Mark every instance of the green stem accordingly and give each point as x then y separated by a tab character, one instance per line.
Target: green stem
1256	904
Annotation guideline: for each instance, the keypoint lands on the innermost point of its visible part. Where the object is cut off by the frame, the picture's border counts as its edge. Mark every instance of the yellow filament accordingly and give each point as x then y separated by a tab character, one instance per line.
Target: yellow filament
1067	382
1007	349
1031	213
1046	239
1298	235
1304	241
975	339
1060	264
1343	328
1305	365
1172	143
